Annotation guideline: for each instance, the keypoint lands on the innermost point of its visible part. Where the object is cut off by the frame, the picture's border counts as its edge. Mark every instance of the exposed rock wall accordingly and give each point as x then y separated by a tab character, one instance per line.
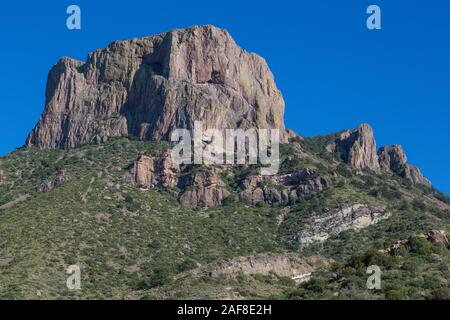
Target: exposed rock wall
204	189
57	181
358	148
154	171
2	178
149	86
394	159
143	172
282	189
286	265
320	226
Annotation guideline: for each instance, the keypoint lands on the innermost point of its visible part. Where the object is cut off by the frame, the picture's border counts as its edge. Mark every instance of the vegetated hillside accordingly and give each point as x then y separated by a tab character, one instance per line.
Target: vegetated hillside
140	226
64	207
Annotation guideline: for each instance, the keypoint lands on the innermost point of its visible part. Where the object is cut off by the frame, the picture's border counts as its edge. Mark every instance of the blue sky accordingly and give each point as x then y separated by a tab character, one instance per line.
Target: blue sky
334	73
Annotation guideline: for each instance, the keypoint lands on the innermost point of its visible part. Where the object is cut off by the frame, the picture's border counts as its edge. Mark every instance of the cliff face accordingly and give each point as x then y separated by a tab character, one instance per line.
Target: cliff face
358	149
320	226
394	159
149	86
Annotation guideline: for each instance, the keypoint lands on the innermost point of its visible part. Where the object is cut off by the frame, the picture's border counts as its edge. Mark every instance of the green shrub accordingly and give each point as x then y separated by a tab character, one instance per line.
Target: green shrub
395	294
159	278
419	246
441	294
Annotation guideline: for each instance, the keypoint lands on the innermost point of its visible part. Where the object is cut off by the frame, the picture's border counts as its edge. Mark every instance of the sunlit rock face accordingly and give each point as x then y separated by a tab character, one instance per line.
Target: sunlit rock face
149	86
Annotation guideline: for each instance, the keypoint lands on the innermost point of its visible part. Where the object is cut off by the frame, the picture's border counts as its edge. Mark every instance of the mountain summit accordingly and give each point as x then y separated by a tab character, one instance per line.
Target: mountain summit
149	86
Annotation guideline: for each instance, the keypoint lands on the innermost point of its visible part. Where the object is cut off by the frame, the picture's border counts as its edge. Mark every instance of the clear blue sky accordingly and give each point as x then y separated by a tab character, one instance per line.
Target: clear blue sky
334	73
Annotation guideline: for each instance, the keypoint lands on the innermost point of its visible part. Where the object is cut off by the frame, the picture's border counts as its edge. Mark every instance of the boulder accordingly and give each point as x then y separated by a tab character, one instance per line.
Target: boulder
437	236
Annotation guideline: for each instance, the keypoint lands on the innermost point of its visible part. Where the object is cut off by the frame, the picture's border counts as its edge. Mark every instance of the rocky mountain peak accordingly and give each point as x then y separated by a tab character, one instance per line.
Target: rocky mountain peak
358	148
149	86
394	159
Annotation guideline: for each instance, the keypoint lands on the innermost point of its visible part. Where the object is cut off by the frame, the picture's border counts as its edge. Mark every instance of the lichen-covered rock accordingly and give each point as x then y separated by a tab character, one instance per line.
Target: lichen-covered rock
312	186
166	171
358	148
149	86
320	226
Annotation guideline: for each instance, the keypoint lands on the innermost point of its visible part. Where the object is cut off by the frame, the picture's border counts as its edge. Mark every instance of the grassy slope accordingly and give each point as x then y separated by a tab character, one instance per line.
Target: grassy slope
128	241
120	235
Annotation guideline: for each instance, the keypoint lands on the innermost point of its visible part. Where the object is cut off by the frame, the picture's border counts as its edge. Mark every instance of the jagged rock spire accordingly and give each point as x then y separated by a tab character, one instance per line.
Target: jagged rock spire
358	148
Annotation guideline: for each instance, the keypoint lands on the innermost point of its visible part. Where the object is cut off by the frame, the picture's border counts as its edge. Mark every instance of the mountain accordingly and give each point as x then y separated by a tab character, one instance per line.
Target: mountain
96	186
147	87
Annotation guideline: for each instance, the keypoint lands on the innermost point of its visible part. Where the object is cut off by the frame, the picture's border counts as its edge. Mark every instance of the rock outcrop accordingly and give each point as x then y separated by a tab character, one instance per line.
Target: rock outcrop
320	226
281	189
394	159
414	175
203	189
49	185
149	86
358	148
437	236
292	265
433	236
154	171
143	172
2	178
